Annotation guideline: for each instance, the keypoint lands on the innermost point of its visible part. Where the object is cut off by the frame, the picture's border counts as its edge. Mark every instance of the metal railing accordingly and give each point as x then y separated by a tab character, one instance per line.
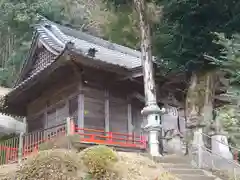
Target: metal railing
204	158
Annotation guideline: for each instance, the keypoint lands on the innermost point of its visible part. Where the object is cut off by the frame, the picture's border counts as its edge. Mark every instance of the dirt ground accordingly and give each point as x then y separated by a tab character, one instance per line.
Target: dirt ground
8	169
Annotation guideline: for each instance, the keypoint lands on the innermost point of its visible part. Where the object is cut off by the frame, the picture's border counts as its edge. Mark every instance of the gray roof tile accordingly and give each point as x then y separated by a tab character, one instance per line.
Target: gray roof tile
106	51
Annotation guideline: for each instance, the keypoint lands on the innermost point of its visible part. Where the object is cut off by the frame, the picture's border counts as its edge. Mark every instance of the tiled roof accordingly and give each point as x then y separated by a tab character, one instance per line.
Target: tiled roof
57	36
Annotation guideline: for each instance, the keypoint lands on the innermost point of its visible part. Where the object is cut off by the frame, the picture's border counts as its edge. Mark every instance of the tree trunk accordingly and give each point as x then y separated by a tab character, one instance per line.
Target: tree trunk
199	101
151	110
146	50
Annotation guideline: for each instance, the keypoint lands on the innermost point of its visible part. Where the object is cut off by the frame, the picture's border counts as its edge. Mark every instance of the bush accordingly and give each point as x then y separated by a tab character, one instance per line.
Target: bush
52	164
166	176
98	160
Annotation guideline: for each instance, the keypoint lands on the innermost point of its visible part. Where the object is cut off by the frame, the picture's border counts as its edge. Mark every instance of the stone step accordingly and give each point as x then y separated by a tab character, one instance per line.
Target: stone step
175	160
194	177
178	171
179	165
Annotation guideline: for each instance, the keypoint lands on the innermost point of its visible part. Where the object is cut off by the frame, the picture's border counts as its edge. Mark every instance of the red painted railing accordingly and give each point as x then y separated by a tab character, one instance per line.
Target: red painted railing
8	154
9	150
110	138
31	141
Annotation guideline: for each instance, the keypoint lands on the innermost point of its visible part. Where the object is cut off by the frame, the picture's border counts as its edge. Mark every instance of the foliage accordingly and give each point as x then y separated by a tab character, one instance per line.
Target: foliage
18	17
16	20
229	62
186	30
183	32
98	160
123	29
229	117
52	164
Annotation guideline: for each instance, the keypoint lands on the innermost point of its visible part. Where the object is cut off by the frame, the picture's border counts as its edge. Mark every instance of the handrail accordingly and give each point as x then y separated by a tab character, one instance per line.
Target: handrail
230	161
43	130
238	149
222	142
215	161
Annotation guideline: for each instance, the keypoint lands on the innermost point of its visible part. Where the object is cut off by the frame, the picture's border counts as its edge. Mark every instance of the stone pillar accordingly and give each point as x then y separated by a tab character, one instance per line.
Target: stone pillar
220	145
174	144
153	127
195	140
172	140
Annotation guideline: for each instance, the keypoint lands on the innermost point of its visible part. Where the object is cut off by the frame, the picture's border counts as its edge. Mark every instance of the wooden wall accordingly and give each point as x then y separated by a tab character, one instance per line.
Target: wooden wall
118	114
53	106
62	100
94	116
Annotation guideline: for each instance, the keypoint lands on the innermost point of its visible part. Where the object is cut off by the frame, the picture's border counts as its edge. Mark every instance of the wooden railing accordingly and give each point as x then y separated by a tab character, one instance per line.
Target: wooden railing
20	147
9	149
110	138
31	141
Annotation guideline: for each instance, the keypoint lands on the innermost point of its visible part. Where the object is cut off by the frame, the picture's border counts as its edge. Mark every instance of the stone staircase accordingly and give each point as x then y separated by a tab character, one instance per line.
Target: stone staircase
181	167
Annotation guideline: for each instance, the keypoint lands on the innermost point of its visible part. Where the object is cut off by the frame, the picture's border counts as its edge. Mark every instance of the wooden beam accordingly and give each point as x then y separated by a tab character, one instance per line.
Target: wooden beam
139	96
96	64
131	76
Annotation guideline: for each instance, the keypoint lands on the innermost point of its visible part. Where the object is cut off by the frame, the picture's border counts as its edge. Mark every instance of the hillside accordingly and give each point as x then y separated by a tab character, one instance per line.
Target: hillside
127	166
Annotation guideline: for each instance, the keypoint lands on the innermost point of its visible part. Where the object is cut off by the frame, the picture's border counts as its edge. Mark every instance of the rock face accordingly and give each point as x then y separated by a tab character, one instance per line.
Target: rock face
173	127
174	145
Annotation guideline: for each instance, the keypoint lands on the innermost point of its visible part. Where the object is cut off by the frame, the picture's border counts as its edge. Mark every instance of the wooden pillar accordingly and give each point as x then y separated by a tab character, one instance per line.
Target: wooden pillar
106	107
45	118
129	111
81	110
80	120
26	125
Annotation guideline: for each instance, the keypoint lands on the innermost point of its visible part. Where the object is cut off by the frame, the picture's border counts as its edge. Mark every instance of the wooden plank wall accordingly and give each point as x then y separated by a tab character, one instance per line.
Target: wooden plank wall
52	107
118	114
94	111
103	110
137	120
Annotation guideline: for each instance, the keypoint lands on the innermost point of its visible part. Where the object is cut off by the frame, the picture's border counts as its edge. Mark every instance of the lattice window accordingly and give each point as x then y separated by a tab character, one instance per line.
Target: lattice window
42	59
